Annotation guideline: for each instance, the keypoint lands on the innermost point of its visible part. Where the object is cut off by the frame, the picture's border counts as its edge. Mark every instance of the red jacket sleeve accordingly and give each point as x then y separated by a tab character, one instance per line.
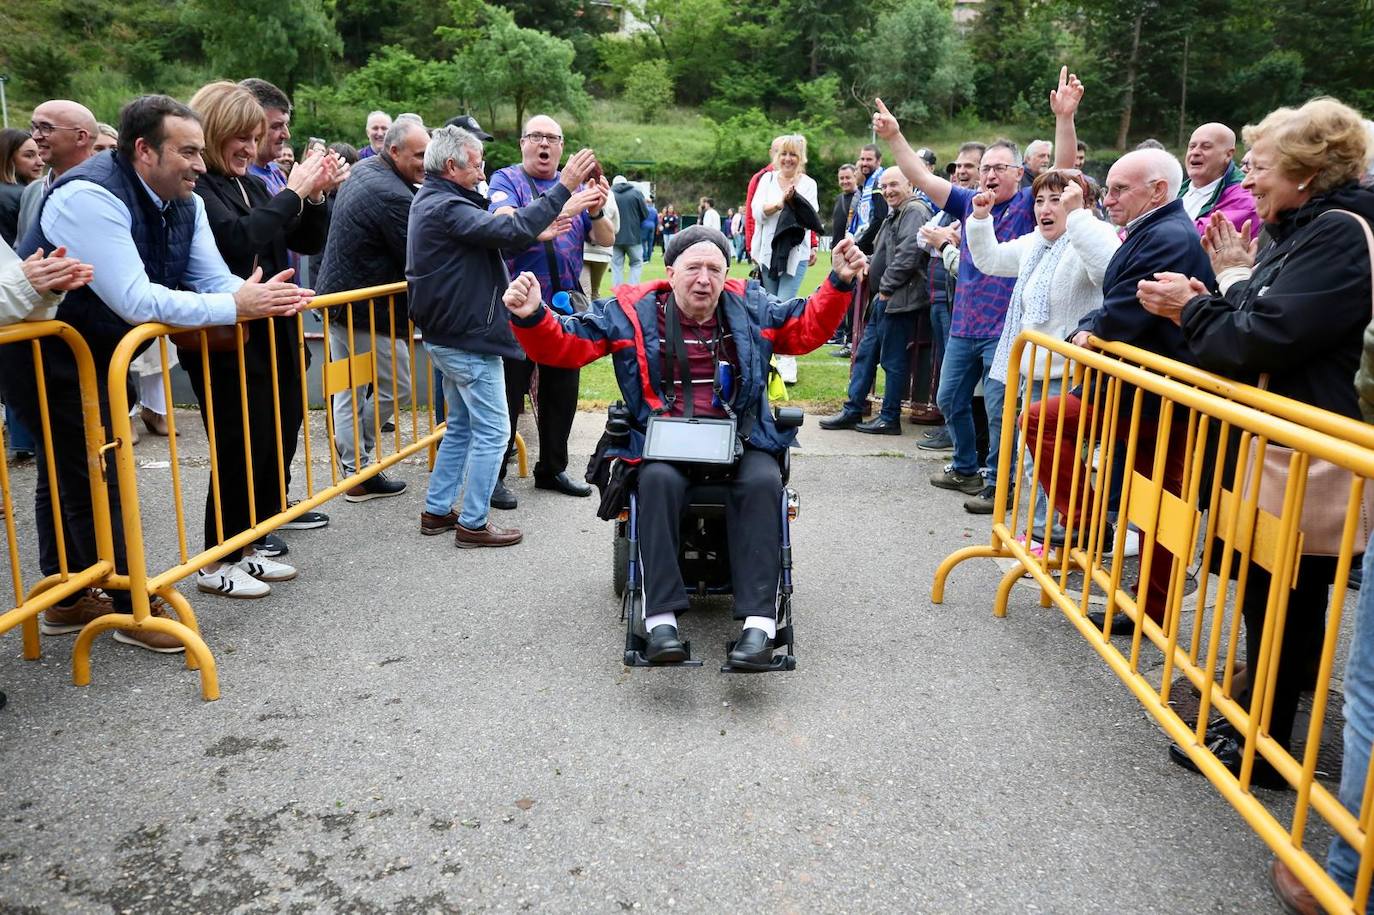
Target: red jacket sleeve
749	209
797	327
565	344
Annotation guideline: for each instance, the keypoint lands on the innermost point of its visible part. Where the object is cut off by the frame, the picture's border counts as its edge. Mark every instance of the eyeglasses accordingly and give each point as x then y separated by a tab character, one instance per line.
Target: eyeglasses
43	128
1117	190
551	139
1001	168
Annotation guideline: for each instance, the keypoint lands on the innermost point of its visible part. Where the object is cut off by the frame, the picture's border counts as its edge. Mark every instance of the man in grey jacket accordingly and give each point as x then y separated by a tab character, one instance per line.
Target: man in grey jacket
456	277
629	241
898	273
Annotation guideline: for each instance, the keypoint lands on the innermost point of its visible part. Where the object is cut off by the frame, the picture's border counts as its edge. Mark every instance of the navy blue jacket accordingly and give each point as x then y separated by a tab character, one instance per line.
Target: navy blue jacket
626	328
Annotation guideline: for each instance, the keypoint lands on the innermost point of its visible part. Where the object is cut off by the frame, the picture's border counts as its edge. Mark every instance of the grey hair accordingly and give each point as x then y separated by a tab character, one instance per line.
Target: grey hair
1034	146
409	116
1010	146
373	114
1164	165
449	143
106	129
396	133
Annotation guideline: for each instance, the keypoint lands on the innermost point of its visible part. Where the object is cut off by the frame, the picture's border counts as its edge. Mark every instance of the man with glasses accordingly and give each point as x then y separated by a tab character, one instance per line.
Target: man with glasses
65	133
555	258
980	301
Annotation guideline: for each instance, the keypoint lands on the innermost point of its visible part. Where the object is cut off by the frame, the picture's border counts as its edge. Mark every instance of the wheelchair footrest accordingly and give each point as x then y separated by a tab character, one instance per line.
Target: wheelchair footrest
779	662
634	657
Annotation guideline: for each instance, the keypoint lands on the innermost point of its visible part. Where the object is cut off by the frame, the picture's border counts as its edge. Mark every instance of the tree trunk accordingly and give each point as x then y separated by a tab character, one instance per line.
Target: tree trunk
1128	99
1183	92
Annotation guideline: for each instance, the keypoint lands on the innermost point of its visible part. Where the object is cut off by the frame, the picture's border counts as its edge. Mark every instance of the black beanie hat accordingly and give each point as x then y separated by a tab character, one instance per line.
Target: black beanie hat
695	235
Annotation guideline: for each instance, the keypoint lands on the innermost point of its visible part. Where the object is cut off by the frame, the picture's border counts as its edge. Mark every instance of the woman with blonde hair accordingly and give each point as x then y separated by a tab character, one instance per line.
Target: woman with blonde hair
253	230
1294	316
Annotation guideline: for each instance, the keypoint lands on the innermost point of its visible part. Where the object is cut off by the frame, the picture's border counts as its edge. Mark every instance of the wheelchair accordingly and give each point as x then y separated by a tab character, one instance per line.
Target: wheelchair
704	559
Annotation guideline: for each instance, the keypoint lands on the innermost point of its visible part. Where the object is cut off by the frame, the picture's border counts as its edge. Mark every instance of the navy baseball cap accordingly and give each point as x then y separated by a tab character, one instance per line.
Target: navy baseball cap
469	123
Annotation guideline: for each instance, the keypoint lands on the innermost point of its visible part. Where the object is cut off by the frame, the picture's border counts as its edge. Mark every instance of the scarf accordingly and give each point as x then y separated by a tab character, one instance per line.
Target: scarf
861	206
1030	299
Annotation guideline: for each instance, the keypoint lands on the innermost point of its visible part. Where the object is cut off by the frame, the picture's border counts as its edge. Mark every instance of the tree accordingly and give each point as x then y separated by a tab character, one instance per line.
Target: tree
396	80
649	89
915	61
523	66
286	42
1017	48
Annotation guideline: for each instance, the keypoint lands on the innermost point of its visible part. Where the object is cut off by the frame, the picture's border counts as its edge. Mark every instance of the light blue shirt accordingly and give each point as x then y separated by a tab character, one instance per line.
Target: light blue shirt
97	228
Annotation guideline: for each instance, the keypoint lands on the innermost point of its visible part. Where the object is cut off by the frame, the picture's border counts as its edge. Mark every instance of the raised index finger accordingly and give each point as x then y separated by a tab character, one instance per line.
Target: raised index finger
882	109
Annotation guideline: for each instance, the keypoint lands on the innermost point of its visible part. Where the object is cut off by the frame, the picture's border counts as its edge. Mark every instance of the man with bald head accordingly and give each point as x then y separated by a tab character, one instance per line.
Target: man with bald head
672	342
1143	199
1214	181
65	133
898	279
556	259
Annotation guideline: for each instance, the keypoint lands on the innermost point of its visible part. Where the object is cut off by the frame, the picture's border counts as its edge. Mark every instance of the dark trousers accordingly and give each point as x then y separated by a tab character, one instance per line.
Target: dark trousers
556	399
884	342
231	468
71	456
1303	633
752	519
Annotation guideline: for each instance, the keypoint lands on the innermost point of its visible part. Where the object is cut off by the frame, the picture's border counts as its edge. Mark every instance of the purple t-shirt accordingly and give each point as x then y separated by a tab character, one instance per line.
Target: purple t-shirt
272	176
509	187
980	301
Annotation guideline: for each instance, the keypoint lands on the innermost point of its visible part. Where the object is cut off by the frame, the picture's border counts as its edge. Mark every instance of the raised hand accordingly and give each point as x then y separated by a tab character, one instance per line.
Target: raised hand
982	204
580	165
522	295
1072	195
847	260
276	298
1064	99
55	272
311	176
556	228
592	197
1226	247
884	124
338	172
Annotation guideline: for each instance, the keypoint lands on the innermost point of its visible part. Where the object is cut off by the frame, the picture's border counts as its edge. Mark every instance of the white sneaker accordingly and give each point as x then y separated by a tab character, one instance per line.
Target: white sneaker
231	581
264	568
1132	547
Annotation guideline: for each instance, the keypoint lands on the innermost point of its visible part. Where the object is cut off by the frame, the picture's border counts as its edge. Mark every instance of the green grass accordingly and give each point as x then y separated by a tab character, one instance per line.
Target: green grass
822	379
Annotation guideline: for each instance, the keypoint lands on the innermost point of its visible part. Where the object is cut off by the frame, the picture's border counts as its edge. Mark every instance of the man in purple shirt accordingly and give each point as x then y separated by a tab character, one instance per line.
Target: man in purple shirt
980	301
556	260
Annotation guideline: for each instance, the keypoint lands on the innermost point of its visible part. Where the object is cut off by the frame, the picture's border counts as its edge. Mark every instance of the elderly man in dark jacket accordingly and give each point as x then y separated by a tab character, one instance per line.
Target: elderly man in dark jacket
898	274
456	277
367	247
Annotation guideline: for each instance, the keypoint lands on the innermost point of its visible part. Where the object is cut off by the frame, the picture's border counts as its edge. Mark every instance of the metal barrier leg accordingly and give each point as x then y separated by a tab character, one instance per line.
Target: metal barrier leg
196	648
32	649
937	590
999	607
522	461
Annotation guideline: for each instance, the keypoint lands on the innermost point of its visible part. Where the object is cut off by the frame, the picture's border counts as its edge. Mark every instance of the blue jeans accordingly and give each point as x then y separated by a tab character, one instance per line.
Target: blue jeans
967	360
737	241
17	438
1343	861
646	247
667	240
885	341
939	328
474	443
1029	485
635	254
786	285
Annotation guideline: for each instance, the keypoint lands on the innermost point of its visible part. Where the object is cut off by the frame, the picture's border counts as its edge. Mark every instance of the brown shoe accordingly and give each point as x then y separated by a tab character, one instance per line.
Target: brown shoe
156	422
437	524
491	535
147	638
90	605
1291	893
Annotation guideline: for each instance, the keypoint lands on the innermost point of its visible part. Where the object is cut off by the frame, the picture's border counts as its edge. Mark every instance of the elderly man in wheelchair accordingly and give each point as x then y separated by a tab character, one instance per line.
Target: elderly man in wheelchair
691	357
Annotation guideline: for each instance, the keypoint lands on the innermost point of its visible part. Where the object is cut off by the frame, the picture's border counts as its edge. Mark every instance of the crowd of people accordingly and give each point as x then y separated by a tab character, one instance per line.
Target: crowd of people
202	215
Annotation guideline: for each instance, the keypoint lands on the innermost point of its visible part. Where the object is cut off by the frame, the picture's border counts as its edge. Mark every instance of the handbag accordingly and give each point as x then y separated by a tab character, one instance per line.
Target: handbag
218	338
1328	485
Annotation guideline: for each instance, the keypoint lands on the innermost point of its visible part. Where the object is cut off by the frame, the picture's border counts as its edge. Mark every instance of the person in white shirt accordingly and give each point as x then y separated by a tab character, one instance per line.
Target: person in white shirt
709	217
786	187
30	289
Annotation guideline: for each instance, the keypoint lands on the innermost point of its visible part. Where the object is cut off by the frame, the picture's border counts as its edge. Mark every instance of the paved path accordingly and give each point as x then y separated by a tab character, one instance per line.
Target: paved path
413	728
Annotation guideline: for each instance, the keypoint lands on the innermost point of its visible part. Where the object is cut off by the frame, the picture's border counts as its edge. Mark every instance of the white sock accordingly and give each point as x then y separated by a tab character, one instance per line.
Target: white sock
660	619
766	623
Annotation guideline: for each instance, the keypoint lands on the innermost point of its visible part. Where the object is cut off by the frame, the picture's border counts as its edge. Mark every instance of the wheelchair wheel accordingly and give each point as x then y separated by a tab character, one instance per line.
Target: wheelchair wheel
620	561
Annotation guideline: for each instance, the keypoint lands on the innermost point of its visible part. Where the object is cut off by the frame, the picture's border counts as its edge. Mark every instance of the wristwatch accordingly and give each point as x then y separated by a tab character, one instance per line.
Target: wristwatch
596	216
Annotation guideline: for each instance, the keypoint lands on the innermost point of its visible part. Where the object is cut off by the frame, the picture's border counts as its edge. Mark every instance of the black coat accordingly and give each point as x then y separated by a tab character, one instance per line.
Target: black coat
898	268
367	237
1301	315
839	218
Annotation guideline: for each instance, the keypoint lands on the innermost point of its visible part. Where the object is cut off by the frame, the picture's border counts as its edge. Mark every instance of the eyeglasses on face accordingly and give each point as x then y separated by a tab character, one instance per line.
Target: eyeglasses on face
1001	168
43	128
550	138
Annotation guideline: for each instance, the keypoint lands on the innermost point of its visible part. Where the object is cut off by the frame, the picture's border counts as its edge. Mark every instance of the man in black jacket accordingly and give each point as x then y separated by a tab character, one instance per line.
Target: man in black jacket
456	277
898	277
367	247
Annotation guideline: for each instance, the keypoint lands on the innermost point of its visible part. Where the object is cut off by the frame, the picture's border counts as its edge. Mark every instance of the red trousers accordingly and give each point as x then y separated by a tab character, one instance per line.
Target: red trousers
1060	449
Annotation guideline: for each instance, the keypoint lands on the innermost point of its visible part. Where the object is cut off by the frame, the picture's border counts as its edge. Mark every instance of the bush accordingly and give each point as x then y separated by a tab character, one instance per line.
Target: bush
649	89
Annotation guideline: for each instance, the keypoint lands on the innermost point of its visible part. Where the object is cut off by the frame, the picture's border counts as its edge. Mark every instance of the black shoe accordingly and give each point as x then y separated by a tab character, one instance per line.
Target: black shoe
272	546
841	420
503	498
564	484
664	646
378	487
1057	537
1226	746
877	426
388	426
3	700
843	352
307	521
1121	623
981	504
753	650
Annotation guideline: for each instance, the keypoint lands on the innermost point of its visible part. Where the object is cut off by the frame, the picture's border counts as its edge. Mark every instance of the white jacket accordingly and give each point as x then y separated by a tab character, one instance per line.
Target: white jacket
1076	287
769	194
19	301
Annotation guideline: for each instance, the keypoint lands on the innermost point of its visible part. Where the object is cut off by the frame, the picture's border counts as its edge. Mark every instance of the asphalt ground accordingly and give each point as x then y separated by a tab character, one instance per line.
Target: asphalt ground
413	728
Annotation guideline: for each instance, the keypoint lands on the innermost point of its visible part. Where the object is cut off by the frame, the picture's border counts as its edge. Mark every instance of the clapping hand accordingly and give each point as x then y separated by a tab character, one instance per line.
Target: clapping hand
522	295
847	260
1065	99
275	298
580	166
560	225
1167	293
1227	247
592	197
56	272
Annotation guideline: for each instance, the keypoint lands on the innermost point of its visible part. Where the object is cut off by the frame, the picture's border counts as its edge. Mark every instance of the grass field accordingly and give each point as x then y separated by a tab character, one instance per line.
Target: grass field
822	379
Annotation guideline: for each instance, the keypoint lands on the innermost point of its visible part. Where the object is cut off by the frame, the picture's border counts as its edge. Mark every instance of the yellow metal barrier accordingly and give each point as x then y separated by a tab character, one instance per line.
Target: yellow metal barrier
266	499
66	582
1194	448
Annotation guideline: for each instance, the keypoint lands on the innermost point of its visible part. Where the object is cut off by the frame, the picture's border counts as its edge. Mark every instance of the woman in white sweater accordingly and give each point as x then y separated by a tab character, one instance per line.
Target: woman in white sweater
1058	269
786	183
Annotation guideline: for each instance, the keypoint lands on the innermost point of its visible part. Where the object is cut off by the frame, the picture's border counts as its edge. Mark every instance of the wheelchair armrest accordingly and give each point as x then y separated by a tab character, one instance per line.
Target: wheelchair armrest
788	417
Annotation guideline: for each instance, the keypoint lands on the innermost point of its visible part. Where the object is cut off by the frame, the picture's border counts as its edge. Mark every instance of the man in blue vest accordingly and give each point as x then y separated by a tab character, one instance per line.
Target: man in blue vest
130	213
